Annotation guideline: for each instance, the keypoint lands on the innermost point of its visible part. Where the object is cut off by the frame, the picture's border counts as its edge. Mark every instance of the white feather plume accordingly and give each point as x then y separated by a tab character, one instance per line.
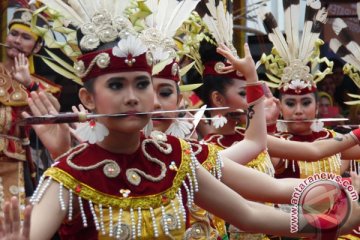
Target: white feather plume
321	17
66	11
220	23
76	5
168	15
311	7
339	26
335	44
274	34
292	27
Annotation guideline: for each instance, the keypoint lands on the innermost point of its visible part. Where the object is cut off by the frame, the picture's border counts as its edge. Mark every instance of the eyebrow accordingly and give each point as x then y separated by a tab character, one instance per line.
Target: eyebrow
118	78
166	85
21	33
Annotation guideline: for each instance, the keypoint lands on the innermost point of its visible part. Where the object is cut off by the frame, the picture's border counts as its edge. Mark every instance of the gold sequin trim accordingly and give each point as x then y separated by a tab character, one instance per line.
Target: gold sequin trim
143	202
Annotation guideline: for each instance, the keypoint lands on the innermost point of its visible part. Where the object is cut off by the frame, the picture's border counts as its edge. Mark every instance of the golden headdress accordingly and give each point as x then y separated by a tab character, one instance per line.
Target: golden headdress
160	30
99	36
293	63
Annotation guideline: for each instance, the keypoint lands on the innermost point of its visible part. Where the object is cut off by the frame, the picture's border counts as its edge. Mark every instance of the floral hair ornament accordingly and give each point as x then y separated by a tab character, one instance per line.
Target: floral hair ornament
292	66
349	50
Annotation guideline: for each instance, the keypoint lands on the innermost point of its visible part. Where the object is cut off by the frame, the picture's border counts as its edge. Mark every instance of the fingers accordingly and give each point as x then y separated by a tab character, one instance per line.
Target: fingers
228	68
16	63
15	214
80	108
226	52
37	105
247	51
27	222
48	103
7	217
54	102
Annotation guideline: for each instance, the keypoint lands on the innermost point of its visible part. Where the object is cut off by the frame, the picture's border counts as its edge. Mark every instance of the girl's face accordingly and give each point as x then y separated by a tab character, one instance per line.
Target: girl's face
235	95
166	99
324	105
124	92
299	107
20	41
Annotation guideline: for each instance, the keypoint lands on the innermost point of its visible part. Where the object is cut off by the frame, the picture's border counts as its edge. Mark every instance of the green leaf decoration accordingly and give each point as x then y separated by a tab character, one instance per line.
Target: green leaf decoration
160	66
60	61
62	71
189	87
185	69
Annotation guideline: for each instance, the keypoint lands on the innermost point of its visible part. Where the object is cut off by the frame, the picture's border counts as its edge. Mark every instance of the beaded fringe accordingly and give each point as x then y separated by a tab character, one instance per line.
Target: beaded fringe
334	164
189	185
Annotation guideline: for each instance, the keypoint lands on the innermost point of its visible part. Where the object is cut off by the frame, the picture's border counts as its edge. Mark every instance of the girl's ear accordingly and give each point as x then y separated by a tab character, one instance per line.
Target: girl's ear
217	99
87	99
37	47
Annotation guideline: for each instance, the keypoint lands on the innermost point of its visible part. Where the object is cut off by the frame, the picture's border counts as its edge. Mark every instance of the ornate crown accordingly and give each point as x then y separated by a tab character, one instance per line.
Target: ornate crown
293	64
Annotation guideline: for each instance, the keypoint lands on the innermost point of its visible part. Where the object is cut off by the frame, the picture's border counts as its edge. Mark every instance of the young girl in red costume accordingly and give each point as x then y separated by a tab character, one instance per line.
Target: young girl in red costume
130	186
291	67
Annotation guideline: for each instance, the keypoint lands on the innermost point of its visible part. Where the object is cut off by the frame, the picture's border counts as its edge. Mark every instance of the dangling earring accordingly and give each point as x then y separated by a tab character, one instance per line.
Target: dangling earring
148	128
316	126
281	126
219	121
179	128
92	131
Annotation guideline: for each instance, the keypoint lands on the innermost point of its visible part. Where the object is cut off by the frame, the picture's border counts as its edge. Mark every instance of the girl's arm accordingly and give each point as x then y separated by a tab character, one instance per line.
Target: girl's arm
256	186
47	215
311	151
255	135
251	217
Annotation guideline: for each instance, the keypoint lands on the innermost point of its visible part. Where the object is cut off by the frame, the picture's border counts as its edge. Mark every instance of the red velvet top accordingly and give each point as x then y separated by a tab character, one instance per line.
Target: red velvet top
293	170
226	140
94	185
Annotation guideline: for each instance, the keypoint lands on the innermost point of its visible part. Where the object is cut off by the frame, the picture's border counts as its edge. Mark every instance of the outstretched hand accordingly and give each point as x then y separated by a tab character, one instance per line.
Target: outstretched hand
10	224
20	71
244	65
272	106
55	137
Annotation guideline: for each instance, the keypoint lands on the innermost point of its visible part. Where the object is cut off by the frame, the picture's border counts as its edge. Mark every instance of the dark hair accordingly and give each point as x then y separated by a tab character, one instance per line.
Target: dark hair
89	85
211	83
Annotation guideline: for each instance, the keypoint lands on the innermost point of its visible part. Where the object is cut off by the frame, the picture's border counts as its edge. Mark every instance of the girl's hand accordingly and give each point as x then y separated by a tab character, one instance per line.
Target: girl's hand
55	137
244	65
10	224
21	71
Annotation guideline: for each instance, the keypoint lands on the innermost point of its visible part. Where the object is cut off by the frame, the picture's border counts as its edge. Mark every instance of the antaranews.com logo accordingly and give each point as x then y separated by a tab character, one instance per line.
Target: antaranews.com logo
319	199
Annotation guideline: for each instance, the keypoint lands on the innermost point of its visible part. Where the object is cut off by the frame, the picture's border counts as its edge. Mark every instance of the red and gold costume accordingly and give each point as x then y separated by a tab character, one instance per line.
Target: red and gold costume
303	169
146	194
261	163
13	101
